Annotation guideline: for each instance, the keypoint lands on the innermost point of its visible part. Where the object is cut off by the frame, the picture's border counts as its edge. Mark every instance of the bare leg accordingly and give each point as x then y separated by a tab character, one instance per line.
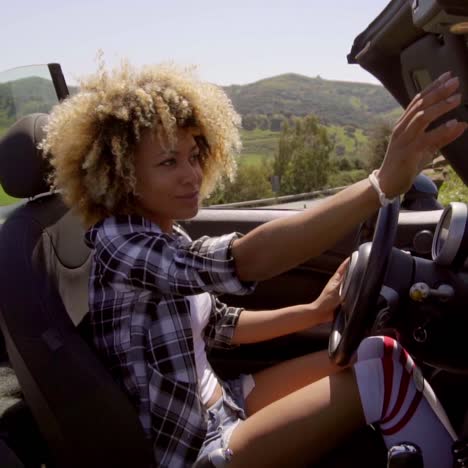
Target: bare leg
300	427
284	378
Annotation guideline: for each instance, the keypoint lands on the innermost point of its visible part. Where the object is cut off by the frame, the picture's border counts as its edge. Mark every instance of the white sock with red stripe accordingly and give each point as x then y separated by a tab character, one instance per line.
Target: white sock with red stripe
395	396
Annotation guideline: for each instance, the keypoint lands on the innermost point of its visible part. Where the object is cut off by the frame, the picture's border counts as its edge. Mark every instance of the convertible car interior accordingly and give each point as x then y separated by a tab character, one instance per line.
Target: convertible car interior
408	277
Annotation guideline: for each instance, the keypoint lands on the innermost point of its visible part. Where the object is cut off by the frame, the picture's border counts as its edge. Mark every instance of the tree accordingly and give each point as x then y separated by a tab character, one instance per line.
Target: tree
302	161
343	164
340	150
350	131
276	122
262	122
377	144
252	182
249	122
358	163
283	155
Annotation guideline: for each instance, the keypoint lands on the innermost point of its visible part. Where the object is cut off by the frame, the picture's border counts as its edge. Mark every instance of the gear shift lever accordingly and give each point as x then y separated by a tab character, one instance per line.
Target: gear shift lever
404	455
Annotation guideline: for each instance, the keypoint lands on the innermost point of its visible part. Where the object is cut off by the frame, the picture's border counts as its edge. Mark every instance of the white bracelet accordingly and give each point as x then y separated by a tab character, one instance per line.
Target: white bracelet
384	201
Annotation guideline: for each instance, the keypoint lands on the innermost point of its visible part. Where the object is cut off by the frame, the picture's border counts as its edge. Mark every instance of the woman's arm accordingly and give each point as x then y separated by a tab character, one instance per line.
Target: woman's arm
255	326
262	325
281	244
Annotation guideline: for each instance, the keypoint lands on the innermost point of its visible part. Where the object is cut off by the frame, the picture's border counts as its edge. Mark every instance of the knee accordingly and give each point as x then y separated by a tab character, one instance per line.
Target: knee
376	347
384	347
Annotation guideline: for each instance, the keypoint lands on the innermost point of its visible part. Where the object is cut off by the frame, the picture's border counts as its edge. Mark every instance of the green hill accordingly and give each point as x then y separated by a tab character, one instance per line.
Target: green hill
334	102
347	109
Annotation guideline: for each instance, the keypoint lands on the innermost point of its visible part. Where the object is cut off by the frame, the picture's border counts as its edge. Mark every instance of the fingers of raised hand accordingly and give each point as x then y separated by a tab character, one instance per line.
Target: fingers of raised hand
410	157
434	85
443	96
423	118
445	81
440	81
445	134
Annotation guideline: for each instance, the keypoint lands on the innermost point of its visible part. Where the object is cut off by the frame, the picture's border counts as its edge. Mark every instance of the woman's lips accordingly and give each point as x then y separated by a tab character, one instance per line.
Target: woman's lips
189	196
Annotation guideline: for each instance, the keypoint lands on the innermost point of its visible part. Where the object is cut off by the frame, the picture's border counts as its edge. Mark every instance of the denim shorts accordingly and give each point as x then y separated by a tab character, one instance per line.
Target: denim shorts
226	414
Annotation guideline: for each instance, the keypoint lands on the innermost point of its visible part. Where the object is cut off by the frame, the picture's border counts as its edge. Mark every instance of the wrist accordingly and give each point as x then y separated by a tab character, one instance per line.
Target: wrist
380	188
318	312
311	308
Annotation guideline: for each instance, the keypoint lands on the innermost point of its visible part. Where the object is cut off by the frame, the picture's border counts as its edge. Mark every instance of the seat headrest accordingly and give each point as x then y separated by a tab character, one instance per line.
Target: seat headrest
23	170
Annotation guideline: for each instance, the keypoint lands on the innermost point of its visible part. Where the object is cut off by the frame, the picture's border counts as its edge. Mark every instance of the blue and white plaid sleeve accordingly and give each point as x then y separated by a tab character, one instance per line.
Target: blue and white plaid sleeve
220	328
172	264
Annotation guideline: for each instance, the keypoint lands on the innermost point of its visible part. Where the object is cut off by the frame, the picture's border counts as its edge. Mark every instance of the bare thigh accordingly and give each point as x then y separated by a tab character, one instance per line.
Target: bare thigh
284	378
300	427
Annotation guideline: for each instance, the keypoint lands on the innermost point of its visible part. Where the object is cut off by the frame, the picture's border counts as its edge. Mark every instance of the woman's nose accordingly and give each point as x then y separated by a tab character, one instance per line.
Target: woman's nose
191	173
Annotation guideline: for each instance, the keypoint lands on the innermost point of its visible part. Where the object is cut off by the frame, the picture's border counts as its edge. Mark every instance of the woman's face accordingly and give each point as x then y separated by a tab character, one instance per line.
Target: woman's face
168	181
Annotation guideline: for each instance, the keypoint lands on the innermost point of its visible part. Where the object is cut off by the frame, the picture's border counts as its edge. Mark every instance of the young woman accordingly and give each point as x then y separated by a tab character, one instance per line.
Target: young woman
136	150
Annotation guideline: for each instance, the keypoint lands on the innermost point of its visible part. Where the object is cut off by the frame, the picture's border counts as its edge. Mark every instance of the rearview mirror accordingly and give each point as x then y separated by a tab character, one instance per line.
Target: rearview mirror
438	16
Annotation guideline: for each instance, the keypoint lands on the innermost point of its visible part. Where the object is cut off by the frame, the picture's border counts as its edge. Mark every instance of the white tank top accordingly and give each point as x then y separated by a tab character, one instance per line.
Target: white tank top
200	310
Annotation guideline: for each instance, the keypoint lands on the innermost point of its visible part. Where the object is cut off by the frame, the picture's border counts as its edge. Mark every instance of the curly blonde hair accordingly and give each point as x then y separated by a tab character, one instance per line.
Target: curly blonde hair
91	137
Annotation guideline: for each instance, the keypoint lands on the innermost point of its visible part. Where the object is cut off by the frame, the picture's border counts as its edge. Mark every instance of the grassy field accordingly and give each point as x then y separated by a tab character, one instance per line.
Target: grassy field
453	189
255	159
261	145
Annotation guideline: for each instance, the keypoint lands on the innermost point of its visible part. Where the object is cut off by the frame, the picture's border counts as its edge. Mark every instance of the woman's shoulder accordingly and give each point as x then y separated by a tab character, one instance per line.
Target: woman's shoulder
120	226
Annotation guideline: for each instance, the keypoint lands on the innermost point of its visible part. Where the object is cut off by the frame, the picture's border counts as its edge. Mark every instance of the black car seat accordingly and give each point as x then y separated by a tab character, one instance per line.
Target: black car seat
84	417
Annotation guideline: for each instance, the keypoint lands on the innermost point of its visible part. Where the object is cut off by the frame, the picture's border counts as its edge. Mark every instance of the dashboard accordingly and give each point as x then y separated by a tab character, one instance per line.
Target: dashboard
450	244
423	299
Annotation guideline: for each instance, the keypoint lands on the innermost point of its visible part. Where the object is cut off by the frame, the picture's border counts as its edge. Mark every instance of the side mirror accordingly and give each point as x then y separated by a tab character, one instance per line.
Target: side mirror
422	196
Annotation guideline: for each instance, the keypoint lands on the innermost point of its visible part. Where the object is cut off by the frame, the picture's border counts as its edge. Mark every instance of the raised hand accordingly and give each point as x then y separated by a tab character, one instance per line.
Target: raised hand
412	144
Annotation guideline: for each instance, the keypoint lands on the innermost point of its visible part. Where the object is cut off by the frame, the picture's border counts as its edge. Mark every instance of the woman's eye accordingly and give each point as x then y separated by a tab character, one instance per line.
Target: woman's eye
168	162
195	157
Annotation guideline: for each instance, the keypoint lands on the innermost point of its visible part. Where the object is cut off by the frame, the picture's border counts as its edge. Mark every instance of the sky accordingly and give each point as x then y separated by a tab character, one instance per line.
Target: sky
231	42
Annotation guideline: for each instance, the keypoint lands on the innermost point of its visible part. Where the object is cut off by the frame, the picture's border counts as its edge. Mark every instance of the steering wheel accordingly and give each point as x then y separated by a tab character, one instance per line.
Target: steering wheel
361	287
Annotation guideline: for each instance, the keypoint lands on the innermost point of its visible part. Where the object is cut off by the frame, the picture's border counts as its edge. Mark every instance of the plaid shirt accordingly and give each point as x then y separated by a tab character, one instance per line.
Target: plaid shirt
140	322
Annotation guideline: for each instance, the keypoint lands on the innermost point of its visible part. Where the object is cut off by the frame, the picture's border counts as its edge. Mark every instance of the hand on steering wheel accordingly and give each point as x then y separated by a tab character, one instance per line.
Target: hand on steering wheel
361	287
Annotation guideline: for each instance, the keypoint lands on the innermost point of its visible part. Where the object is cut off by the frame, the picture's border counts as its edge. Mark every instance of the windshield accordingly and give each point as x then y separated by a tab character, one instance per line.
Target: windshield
23	91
